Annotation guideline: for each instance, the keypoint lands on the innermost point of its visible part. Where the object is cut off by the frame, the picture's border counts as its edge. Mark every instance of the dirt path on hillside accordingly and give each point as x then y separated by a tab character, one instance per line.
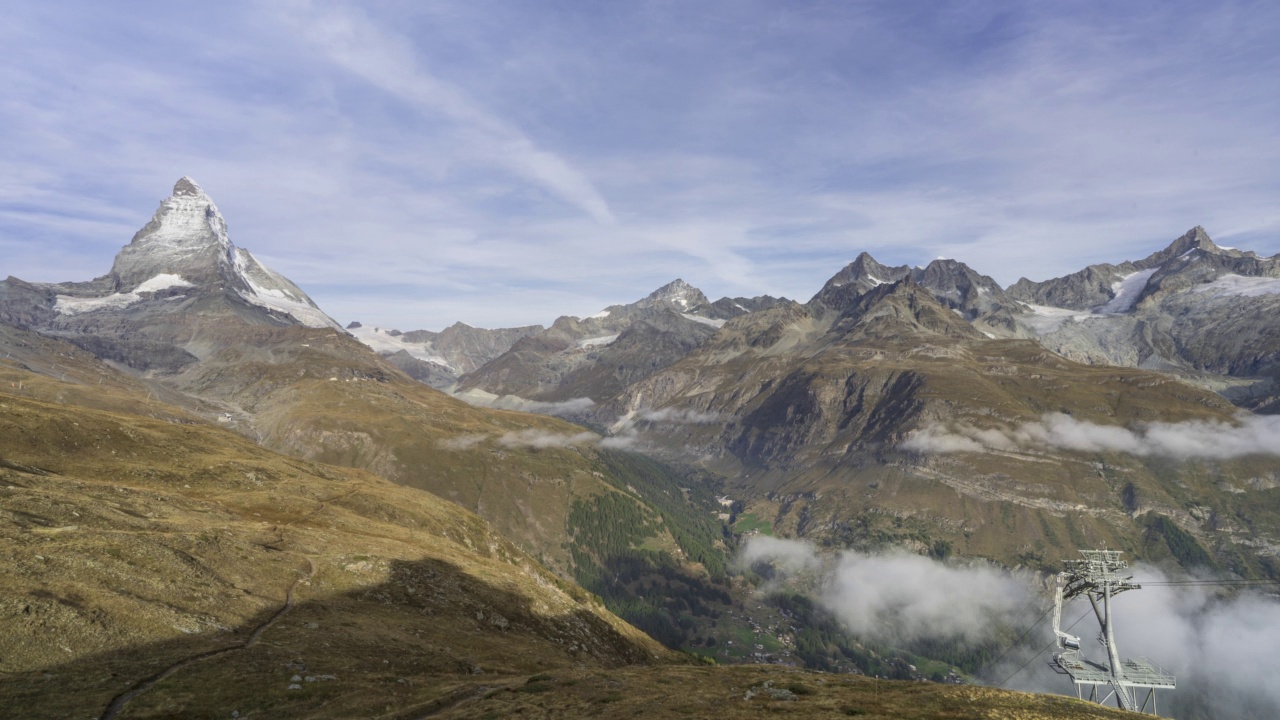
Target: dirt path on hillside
119	702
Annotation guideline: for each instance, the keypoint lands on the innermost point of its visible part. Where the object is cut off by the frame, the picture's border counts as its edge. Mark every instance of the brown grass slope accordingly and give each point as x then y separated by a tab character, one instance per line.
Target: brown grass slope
321	395
158	568
47	368
131	544
815	403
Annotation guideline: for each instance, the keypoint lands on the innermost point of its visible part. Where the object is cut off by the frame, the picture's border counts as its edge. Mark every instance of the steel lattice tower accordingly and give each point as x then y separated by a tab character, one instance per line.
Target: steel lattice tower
1096	578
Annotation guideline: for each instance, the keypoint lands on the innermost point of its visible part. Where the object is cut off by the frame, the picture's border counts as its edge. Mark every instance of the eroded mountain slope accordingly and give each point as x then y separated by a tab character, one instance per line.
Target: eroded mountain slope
809	410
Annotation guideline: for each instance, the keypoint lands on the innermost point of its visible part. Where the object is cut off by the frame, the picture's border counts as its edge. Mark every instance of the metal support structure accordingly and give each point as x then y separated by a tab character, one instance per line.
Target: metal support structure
1096	578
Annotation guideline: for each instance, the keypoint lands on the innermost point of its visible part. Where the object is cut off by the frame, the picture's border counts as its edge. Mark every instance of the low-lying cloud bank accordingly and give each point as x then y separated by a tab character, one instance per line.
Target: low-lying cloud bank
625	432
900	597
1196	439
481	398
1221	649
529	438
542	439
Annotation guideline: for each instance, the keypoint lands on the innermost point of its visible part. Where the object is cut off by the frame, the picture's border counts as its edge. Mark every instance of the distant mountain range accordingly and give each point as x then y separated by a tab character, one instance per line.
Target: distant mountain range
808	409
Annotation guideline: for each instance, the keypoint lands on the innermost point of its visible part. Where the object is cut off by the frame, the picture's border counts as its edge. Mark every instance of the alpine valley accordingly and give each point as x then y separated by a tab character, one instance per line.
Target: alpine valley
218	501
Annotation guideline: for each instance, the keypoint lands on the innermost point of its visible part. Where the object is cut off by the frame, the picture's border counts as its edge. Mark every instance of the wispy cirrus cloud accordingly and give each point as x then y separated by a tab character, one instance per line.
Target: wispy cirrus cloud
387	60
503	163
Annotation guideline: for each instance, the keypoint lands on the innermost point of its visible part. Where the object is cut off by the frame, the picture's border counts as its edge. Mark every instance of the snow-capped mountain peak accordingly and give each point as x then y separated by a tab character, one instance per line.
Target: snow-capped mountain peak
187	219
185	248
678	294
187	236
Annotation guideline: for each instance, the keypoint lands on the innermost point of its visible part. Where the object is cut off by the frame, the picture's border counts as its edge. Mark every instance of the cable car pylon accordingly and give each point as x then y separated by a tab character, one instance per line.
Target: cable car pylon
1096	578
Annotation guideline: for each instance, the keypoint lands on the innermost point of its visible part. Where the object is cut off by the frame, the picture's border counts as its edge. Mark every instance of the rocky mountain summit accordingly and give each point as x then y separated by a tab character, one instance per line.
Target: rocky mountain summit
1206	313
977	298
169	295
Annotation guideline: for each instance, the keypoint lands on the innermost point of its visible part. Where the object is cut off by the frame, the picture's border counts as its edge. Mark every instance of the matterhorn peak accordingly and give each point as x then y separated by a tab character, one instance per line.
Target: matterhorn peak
187	186
187	236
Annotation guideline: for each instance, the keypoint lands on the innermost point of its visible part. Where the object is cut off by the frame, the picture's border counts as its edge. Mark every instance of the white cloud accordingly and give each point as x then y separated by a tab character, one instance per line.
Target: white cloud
463	442
388	61
899	597
790	555
410	165
533	438
1251	434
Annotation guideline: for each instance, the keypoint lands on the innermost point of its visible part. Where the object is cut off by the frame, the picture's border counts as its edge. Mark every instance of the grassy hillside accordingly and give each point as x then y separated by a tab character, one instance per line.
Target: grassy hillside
156	567
133	546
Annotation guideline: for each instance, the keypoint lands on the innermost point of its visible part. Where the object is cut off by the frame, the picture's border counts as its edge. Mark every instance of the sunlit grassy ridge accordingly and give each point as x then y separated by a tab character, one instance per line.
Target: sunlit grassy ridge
134	543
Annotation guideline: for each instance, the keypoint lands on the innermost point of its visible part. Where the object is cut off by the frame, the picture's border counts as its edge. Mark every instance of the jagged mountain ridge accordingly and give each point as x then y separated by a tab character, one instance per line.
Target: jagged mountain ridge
977	298
1195	309
440	359
1206	313
597	356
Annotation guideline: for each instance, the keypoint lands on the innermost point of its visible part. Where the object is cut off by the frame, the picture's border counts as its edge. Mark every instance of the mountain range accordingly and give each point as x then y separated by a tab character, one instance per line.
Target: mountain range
820	415
206	476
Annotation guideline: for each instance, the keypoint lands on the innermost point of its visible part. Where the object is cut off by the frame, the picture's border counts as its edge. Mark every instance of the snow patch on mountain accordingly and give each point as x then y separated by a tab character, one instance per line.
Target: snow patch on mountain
69	305
597	341
271	290
383	342
704	320
1044	319
1232	285
1127	290
598	316
163	281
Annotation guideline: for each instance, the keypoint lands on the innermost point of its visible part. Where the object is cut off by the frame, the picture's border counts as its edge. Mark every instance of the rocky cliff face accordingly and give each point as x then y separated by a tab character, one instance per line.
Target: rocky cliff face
975	297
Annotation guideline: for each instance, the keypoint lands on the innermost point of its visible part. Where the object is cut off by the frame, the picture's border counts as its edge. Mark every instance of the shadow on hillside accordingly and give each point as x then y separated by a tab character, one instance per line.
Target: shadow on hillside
395	646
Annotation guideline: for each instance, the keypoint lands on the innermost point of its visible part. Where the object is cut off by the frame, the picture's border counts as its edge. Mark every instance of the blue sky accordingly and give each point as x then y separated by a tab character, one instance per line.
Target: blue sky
500	163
